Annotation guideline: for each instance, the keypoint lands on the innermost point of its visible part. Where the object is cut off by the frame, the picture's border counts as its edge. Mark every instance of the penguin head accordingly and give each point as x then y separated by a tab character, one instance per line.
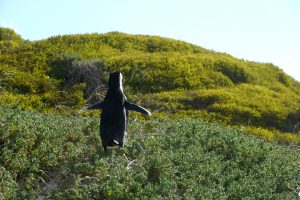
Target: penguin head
115	81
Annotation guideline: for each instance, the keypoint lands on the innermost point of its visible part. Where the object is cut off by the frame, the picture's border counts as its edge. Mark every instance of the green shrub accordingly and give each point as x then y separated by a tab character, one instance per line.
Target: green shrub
9	34
168	76
234	71
163	159
61	65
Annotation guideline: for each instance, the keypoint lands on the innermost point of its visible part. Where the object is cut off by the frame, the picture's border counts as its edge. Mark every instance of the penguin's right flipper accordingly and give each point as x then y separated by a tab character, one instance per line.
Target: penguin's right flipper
95	106
134	107
92	107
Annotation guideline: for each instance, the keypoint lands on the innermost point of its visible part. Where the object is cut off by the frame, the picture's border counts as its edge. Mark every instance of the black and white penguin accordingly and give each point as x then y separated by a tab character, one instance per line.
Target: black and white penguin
114	116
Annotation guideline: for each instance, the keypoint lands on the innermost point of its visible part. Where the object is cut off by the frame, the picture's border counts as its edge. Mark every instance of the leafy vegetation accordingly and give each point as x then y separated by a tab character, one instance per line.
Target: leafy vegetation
255	108
57	155
60	157
172	78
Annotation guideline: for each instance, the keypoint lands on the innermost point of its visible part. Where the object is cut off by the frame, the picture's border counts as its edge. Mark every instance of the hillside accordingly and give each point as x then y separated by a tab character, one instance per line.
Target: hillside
172	78
60	157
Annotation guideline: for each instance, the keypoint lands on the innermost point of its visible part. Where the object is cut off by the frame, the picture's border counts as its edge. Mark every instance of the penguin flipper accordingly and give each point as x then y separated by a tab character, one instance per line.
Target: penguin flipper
95	106
92	107
134	107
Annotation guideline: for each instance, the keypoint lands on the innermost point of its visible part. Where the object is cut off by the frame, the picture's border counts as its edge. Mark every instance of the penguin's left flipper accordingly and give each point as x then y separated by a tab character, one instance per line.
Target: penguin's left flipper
134	107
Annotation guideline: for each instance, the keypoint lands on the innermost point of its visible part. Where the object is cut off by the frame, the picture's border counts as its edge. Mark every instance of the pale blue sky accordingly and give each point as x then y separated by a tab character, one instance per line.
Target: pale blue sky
257	30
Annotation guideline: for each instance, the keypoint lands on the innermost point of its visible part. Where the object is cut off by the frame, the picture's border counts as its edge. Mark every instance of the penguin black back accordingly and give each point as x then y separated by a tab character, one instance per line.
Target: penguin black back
114	116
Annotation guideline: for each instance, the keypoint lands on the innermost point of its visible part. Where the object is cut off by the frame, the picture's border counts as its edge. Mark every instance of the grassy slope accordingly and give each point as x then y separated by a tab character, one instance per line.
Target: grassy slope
163	158
60	156
164	74
258	110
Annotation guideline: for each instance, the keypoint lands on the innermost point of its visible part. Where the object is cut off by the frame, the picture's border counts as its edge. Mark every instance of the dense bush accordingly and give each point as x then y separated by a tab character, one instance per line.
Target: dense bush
60	157
9	34
60	73
242	105
293	121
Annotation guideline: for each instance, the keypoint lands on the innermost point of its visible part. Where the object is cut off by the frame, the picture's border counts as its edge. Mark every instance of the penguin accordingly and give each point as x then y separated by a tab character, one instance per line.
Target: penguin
114	115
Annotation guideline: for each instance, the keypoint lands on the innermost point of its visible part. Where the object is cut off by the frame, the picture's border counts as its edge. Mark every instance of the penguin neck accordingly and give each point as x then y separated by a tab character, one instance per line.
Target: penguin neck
121	87
115	94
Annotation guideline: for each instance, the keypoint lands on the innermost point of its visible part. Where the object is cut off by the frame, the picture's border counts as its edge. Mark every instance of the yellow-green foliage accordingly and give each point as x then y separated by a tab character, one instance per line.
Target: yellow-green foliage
7	34
169	76
244	103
